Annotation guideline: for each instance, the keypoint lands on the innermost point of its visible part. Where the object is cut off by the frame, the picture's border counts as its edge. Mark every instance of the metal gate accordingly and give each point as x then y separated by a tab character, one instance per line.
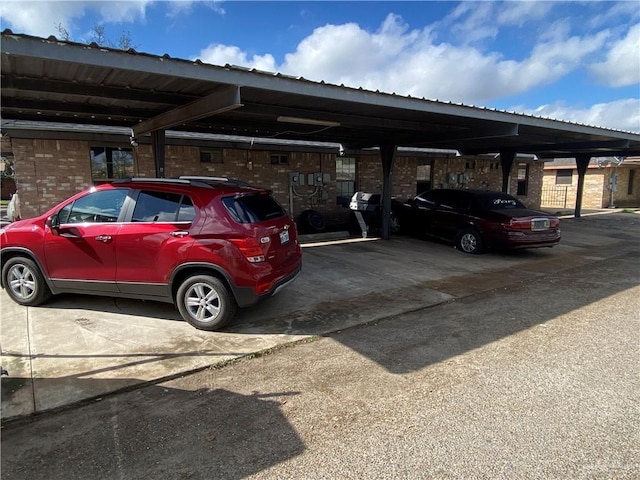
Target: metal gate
554	196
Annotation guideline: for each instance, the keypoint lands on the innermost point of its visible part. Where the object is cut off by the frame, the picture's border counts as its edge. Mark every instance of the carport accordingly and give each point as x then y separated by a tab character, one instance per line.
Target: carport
53	80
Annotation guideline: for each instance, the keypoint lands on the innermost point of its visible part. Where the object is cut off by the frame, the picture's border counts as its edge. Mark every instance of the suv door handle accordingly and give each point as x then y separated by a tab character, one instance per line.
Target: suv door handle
103	238
180	233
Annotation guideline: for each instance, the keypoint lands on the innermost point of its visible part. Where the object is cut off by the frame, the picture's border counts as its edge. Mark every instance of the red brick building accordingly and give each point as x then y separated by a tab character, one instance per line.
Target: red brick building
54	161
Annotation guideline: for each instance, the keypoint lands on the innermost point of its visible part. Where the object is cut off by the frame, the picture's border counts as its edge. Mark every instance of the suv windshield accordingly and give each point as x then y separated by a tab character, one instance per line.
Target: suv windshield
252	208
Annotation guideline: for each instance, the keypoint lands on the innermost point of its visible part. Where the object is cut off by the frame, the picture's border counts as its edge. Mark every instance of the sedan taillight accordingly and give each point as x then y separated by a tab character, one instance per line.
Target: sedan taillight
518	224
536	223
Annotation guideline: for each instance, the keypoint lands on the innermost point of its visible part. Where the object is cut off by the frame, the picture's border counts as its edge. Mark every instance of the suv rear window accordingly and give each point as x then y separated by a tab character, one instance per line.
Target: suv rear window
252	208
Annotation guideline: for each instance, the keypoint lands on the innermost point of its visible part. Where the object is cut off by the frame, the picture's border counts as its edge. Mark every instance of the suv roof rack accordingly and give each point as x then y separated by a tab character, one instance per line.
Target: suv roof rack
230	181
181	181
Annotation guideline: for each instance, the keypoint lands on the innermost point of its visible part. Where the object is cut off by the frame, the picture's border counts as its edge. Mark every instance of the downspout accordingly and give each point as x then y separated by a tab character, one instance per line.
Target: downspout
157	144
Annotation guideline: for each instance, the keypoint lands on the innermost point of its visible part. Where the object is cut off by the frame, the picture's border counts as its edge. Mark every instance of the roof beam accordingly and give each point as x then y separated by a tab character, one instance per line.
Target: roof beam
38	85
475	133
68	110
557	149
579	146
225	99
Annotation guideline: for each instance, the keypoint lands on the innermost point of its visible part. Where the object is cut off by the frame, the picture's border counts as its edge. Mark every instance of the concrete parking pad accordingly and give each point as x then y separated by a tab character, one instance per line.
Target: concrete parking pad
77	348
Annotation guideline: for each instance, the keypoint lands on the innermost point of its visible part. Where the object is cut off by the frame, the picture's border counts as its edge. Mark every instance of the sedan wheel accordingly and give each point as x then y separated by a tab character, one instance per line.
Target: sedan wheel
469	241
395	224
205	302
24	282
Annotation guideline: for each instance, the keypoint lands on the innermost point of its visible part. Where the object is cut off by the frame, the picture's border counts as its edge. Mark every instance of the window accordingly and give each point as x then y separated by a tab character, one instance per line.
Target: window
109	163
163	207
630	186
523	178
211	155
423	178
498	201
97	207
253	208
345	180
564	176
455	200
279	159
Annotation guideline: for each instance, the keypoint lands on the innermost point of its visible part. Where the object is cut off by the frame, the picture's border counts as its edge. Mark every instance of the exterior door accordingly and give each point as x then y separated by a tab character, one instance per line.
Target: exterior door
154	242
80	253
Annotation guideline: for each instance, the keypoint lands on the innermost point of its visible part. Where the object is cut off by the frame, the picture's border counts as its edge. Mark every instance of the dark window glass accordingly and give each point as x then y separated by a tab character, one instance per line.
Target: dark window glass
96	207
523	178
498	201
630	185
211	155
279	160
253	208
455	201
428	199
111	163
163	207
345	180
564	176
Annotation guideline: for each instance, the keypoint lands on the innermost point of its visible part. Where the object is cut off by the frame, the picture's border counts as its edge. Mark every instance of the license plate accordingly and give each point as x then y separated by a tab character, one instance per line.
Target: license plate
284	236
539	224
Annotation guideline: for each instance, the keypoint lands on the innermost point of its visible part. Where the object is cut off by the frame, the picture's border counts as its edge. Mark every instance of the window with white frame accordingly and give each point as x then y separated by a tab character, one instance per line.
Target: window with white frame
345	180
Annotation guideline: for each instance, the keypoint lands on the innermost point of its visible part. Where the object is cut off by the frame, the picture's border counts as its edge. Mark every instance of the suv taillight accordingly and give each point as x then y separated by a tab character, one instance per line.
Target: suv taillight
250	248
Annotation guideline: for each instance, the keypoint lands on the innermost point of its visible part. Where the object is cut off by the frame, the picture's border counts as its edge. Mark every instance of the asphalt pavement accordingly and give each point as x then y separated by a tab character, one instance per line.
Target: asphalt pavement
515	365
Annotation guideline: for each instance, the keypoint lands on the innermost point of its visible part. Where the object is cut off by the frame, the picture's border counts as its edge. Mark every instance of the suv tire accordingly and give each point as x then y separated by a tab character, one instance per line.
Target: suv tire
24	282
205	302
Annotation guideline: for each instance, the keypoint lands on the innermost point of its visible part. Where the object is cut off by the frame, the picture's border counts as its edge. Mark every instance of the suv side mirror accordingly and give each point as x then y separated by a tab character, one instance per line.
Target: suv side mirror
53	222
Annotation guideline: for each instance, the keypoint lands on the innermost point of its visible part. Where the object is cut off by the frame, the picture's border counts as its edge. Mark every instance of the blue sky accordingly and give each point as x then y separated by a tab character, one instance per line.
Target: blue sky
574	61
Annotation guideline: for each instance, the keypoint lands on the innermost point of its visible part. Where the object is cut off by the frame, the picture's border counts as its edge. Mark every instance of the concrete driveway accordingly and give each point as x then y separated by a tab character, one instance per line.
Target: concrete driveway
78	348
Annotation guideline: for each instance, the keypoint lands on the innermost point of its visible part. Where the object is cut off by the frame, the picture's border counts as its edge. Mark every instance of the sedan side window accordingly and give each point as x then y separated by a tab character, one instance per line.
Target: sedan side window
97	207
426	200
163	207
455	201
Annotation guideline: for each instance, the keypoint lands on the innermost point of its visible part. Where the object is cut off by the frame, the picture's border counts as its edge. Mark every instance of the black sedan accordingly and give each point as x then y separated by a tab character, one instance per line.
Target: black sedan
475	220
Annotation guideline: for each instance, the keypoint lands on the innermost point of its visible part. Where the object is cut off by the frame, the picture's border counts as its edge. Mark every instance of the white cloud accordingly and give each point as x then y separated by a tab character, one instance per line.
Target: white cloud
42	18
39	18
127	11
218	54
177	8
409	62
518	13
621	114
622	65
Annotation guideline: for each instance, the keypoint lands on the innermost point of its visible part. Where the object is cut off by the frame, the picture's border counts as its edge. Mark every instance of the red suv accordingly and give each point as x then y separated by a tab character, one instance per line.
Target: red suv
208	245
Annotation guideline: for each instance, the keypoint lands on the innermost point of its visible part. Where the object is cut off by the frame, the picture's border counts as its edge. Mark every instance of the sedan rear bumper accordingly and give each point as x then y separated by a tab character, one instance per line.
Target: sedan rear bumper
518	240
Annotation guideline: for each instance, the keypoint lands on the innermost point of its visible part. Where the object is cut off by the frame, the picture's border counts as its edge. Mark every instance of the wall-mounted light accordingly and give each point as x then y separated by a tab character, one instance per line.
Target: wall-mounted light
308	121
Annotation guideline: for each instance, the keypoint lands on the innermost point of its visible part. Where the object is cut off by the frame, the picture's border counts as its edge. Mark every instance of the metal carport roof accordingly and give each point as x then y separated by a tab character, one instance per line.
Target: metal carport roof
53	80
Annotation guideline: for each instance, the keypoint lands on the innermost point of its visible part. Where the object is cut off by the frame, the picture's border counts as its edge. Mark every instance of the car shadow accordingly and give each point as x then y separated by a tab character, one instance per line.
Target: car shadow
418	339
206	432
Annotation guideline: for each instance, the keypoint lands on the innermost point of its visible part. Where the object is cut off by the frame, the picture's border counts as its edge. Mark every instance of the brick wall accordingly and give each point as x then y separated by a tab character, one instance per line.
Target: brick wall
41	182
596	193
48	171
